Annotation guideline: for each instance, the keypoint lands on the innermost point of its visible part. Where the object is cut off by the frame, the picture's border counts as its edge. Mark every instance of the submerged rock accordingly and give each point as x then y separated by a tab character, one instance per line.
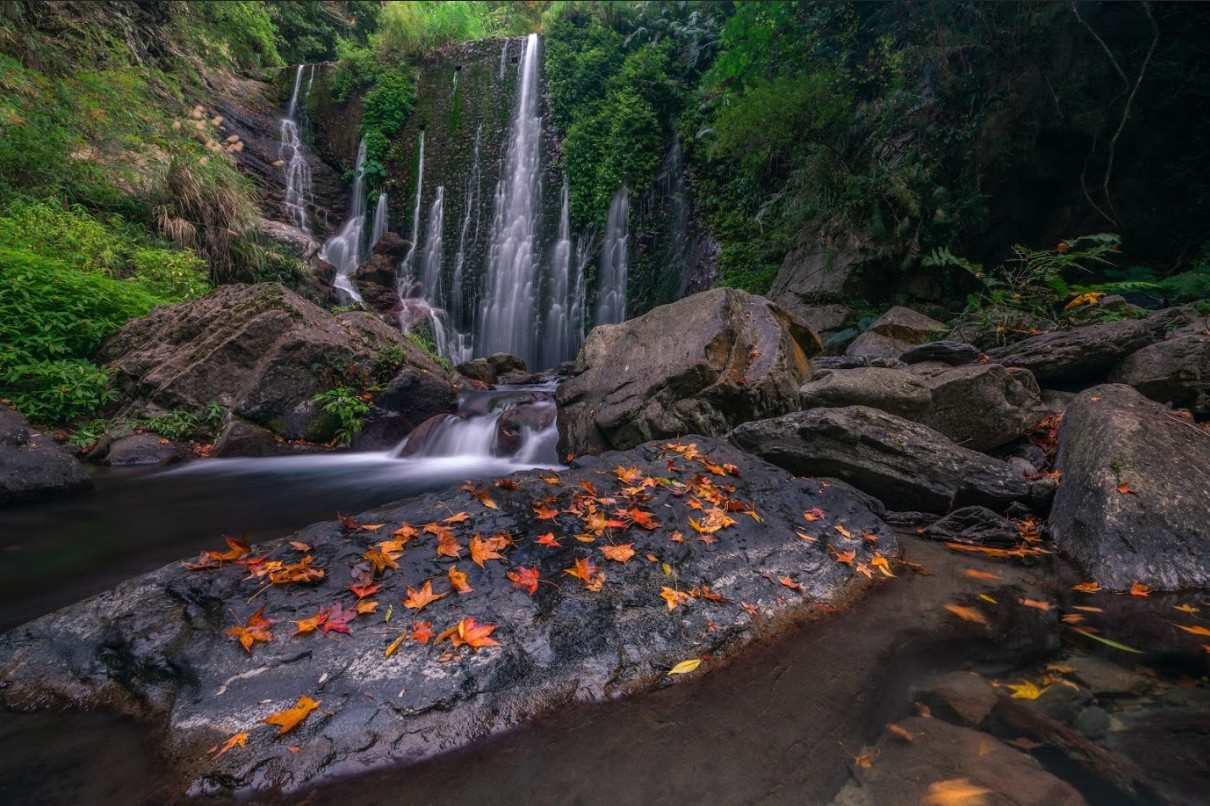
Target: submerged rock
32	465
1134	504
160	646
702	365
264	353
904	464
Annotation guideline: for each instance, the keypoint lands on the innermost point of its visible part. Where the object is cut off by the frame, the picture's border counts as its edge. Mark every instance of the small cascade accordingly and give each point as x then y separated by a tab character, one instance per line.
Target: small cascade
508	306
405	269
344	249
503	58
516	422
611	304
290	152
380	220
671	186
431	258
579	310
467	238
310	81
561	331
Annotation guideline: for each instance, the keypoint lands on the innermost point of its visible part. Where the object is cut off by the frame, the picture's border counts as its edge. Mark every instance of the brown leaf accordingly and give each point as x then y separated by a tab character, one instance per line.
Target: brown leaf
1087	587
619	554
418	600
290	718
458	580
974	573
901	732
366	606
1037	604
298	545
482	550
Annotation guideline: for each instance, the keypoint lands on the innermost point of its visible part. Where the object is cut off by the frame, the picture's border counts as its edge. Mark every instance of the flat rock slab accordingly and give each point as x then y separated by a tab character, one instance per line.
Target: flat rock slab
1134	503
158	646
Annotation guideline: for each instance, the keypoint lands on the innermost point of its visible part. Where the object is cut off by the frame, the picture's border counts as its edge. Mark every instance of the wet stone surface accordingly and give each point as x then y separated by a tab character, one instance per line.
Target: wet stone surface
159	647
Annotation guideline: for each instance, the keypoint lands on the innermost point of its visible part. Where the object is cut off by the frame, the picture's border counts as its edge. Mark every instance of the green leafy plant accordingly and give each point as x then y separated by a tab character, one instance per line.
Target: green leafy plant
349	410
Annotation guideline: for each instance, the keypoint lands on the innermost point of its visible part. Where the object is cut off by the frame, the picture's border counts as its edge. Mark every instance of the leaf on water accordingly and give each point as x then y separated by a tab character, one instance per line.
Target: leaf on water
882	564
290	718
1106	641
1025	690
685	666
1195	629
419	599
1189	609
1139	589
458	581
1073	618
525	578
1088	608
975	573
238	740
955	792
255	629
1087	587
988	599
1037	604
619	554
901	732
967	614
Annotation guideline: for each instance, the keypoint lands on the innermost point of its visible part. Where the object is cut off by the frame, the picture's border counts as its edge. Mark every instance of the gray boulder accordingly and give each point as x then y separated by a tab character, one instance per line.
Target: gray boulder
32	465
1156	529
1175	371
703	365
143	449
980	406
904	464
1082	352
264	353
894	332
891	390
954	353
160	646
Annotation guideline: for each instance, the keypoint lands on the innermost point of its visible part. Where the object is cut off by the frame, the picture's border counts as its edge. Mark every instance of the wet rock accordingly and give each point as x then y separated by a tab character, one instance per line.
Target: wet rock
1064	704
904	464
241	438
417	392
826	363
421	437
477	369
977	526
514	424
979	406
32	465
377	280
144	449
158	646
963	698
1082	352
1156	529
1175	371
894	332
264	353
890	390
1107	679
954	353
700	365
905	771
304	245
1172	744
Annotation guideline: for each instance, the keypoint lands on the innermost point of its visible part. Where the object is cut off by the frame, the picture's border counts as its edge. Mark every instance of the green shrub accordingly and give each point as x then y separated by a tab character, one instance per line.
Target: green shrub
54	391
349	410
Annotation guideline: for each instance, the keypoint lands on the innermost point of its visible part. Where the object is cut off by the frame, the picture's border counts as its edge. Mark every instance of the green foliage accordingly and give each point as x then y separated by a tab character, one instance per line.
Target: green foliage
415	28
424	339
238	32
349	410
307	30
386	107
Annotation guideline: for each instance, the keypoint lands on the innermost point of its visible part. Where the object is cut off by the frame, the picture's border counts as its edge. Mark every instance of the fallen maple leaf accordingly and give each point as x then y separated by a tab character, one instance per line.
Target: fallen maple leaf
338	619
310	624
381	560
1185	608
967	614
470	633
846	557
366	606
482	550
419	599
372	527
457	517
347	522
544	512
673	598
525	578
1036	604
422	631
301	571
643	519
791	584
955	792
255	629
298	545
619	554
1139	589
1124	489
448	545
901	732
290	718
975	573
362	591
806	537
843	531
1087	587
585	571
1025	690
1196	629
685	666
813	514
628	475
882	564
238	740
507	484
548	539
458	581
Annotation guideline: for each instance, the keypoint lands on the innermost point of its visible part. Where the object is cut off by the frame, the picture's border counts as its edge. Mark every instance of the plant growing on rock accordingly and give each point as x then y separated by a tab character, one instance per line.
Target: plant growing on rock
349	409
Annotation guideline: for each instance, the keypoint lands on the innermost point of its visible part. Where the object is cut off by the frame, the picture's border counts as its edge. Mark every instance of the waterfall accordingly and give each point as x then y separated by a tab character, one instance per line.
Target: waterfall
508	315
560	341
290	152
344	249
380	220
430	264
310	80
503	58
405	268
611	304
672	188
470	208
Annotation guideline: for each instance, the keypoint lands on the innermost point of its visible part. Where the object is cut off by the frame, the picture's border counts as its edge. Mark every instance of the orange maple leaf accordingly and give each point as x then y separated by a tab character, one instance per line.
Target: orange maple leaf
419	599
525	578
290	718
405	532
791	584
548	539
482	550
1036	604
544	512
585	571
458	517
813	514
967	614
619	554
1139	589
238	548
381	560
366	606
255	629
1124	489
362	591
628	475
238	740
458	580
470	633
1087	587
846	557
310	624
674	598
300	571
642	519
422	631
448	545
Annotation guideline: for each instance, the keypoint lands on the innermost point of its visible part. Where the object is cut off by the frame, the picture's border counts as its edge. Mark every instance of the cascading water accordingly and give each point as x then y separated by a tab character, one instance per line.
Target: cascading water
508	306
290	152
380	220
467	239
562	331
406	277
611	304
344	249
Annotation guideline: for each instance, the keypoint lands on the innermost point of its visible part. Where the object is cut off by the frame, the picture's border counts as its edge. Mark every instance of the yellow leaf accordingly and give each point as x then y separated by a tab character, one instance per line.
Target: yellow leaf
289	719
1025	690
238	740
685	666
1190	609
955	792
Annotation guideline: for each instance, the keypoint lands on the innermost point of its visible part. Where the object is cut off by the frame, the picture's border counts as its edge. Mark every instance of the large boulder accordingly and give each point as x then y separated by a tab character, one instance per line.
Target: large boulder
894	332
1175	371
32	465
162	646
1134	504
264	353
904	464
702	365
1079	353
892	390
979	406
